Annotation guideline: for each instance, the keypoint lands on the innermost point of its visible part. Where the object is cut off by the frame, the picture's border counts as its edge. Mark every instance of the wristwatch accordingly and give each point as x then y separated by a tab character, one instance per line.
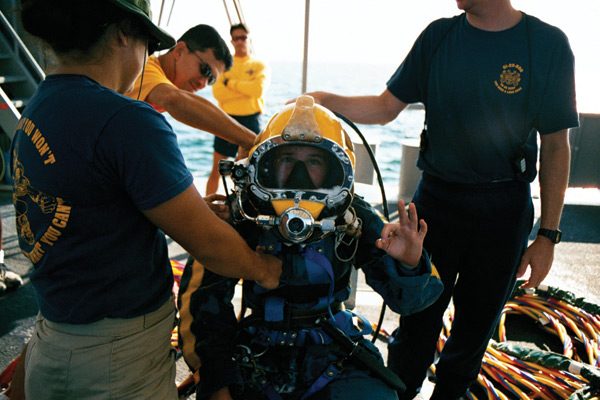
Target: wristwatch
554	236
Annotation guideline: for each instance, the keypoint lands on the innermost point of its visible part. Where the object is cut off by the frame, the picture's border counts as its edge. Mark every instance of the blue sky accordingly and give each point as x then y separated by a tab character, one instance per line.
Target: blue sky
379	31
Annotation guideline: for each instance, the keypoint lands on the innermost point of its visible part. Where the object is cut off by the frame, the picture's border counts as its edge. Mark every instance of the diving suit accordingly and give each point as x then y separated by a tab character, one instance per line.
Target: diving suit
294	198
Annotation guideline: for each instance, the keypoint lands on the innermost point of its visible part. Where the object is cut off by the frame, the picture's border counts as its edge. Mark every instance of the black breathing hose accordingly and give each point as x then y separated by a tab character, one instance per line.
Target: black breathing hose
383	199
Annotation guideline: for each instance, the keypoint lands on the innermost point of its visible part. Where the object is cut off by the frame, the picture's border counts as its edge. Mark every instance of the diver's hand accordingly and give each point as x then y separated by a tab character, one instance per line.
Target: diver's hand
217	204
271	268
404	240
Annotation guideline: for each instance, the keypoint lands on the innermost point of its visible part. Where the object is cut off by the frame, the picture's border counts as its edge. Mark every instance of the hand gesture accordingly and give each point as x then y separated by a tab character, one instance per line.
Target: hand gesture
404	240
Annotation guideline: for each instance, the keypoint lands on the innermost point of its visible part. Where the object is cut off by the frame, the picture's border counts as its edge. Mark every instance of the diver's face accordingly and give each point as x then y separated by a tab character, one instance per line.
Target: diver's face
301	163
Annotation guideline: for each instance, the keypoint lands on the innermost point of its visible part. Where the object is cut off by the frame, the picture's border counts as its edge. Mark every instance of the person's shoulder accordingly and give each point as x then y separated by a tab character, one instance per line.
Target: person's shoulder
362	207
154	74
441	25
257	62
437	30
544	30
136	111
109	101
120	101
153	63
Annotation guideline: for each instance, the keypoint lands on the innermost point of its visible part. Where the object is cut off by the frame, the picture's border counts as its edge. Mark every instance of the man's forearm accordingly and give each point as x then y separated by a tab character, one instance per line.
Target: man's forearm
379	109
555	159
200	113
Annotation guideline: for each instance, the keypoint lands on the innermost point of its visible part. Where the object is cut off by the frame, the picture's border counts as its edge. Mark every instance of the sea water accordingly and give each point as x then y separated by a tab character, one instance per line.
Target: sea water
286	84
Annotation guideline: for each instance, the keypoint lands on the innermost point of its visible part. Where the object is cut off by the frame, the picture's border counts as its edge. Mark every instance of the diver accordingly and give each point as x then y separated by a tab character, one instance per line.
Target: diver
294	197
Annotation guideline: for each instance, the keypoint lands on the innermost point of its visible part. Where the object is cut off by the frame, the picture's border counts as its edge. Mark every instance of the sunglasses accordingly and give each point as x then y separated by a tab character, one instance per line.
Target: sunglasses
242	38
205	70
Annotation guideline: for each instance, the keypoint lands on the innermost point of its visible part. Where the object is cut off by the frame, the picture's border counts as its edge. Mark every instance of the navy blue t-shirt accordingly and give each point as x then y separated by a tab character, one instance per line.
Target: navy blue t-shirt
85	161
486	93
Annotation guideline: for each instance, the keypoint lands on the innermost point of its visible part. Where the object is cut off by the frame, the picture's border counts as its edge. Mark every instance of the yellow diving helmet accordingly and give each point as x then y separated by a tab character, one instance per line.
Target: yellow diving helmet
299	175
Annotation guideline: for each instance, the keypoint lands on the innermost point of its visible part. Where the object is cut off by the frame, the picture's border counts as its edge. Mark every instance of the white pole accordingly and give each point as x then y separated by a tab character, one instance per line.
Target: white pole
305	59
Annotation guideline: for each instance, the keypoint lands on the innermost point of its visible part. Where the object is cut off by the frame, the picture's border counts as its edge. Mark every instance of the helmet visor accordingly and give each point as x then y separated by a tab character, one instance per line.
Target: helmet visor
299	166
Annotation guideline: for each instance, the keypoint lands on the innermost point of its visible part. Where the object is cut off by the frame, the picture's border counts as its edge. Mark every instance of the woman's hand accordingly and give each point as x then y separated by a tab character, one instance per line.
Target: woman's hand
404	240
217	204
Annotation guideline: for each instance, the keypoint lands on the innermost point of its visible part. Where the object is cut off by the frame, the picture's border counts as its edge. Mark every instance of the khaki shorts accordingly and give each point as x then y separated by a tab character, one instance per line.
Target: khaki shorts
108	359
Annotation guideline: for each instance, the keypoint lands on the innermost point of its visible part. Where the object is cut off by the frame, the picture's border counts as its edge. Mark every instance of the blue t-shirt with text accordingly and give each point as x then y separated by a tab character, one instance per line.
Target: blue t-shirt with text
86	161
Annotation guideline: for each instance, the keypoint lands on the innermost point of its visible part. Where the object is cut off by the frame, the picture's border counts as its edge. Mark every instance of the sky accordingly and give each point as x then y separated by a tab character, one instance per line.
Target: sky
378	31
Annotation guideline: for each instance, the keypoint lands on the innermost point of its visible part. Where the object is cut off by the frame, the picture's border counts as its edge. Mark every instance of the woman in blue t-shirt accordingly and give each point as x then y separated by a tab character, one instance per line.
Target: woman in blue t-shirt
98	179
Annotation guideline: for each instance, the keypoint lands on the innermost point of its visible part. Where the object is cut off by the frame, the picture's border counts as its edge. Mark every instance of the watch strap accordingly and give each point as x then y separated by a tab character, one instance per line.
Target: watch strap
553	235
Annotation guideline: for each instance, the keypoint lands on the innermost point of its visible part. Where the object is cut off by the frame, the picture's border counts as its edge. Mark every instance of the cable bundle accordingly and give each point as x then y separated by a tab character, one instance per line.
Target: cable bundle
511	371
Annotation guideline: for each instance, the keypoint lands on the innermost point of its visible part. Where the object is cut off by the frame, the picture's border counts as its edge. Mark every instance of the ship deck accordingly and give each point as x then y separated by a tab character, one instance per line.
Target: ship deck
576	266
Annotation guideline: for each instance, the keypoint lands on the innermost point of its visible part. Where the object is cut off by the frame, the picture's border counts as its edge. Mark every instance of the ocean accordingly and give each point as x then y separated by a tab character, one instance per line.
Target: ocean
286	83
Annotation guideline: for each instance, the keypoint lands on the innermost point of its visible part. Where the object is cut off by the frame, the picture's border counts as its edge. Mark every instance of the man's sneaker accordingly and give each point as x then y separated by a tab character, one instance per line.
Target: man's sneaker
8	279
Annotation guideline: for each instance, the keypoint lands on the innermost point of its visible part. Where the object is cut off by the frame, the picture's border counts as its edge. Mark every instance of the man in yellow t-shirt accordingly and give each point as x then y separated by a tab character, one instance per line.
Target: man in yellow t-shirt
169	81
240	93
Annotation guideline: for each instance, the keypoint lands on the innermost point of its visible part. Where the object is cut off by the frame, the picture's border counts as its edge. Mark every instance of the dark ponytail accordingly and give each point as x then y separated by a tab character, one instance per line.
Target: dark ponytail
71	25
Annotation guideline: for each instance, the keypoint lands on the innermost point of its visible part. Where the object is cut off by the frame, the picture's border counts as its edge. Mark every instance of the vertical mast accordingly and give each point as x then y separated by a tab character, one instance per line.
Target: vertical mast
305	58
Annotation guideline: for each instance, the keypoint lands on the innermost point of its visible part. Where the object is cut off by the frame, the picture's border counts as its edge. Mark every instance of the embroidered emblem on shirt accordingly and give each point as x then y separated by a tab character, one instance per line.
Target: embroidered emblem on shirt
250	72
510	79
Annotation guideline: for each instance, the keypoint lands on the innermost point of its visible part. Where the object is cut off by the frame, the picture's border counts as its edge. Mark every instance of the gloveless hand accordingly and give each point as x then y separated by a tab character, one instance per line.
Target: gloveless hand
404	240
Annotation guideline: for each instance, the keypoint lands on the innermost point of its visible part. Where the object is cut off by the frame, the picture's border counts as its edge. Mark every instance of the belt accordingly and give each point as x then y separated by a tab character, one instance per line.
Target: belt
492	185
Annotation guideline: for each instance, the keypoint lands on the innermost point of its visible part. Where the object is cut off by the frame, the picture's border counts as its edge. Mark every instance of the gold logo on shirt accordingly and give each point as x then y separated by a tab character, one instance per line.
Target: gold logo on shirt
510	79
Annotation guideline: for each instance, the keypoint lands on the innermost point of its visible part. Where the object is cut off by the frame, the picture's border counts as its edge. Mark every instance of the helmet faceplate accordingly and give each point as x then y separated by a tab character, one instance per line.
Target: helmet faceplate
296	142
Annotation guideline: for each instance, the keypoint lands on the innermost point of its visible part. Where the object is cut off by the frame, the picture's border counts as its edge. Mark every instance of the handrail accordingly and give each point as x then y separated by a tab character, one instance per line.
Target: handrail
20	49
9	115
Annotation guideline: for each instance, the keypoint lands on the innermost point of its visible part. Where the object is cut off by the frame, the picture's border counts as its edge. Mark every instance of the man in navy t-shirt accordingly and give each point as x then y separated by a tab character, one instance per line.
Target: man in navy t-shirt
489	79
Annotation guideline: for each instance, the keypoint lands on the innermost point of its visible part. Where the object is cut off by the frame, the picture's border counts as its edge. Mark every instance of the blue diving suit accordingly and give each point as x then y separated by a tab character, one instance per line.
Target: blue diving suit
279	351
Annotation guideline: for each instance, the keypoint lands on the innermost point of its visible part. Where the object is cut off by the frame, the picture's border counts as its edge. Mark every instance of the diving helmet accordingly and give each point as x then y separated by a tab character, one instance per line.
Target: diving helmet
299	175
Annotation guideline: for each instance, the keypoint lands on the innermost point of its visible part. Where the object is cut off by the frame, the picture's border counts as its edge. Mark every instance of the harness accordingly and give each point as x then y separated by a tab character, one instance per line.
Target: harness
288	318
274	382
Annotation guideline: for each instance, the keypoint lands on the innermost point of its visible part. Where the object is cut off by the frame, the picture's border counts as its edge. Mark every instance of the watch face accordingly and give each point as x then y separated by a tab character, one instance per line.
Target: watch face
558	237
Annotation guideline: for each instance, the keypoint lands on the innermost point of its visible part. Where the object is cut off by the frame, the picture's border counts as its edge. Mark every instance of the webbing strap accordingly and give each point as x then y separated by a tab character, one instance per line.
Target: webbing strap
274	309
323	380
315	260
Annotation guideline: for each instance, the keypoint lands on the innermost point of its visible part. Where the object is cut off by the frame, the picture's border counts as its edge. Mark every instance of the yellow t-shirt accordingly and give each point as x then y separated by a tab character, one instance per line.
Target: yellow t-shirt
153	75
246	85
